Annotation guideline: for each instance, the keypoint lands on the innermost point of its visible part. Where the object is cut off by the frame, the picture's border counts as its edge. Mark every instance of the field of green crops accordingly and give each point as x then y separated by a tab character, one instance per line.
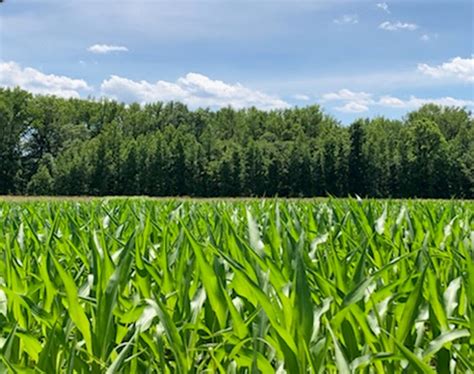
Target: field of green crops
163	286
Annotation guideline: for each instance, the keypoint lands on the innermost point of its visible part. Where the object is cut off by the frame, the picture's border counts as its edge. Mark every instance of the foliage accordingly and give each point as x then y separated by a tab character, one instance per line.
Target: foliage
84	147
126	286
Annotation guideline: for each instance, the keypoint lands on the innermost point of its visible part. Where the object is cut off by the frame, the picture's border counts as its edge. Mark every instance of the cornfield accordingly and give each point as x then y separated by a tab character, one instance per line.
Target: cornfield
320	286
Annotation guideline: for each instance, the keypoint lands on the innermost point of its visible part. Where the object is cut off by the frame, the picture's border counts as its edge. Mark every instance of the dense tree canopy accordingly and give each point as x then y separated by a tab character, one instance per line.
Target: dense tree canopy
50	145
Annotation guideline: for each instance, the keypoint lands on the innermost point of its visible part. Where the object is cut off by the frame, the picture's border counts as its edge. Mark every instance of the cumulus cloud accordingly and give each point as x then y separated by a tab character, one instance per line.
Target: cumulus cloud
459	68
358	102
301	97
351	19
348	95
391	101
105	48
352	107
13	75
353	102
428	37
384	7
415	102
195	90
395	26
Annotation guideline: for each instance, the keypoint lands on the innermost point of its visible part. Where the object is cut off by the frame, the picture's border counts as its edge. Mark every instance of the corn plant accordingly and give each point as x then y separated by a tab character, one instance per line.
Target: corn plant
320	286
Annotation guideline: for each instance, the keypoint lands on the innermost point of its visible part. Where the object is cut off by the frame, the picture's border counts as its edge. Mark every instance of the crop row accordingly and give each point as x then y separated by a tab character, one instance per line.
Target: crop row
234	287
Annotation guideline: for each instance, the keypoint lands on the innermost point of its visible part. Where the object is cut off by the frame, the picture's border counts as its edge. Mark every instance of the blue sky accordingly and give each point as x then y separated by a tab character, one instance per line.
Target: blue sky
355	58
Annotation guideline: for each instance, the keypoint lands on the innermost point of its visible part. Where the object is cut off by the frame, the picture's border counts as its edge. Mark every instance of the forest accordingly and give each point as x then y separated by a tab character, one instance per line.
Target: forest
56	146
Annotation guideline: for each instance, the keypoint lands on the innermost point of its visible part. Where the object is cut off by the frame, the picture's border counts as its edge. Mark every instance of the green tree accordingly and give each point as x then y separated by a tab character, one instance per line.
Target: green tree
13	125
426	160
104	147
357	178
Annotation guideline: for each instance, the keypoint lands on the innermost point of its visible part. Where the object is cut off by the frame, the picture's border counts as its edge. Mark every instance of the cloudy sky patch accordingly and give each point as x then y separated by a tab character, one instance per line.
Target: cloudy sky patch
390	55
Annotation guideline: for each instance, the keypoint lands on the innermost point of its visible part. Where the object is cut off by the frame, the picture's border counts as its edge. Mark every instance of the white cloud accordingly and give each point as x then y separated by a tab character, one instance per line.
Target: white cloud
352	107
105	48
384	7
351	19
459	68
395	26
425	38
415	102
428	37
301	97
13	75
128	90
358	102
391	101
195	90
348	95
354	102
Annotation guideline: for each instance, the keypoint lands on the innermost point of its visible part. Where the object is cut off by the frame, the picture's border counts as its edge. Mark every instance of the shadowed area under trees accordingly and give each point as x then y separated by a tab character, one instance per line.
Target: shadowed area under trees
55	146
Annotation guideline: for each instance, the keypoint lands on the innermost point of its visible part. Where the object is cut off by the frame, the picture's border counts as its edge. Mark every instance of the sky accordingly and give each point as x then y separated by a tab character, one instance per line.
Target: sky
354	58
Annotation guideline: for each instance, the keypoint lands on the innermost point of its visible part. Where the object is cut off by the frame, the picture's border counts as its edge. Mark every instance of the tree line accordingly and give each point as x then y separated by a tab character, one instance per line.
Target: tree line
56	146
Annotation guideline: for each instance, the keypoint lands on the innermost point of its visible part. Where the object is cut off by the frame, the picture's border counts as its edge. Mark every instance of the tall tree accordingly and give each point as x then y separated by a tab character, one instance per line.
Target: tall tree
357	178
104	147
427	159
